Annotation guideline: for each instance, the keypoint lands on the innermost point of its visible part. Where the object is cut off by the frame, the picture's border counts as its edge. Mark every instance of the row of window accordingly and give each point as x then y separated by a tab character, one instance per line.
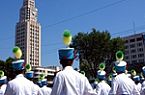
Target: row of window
134	50
133	45
135	56
136	61
134	39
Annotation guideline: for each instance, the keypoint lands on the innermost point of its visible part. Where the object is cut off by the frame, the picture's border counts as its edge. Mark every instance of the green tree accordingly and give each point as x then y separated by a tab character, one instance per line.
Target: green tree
96	47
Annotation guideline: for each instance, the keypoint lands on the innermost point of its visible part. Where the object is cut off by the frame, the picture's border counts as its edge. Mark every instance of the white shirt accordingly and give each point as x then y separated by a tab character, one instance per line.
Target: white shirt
143	88
37	90
46	90
20	86
102	88
138	87
121	84
3	89
71	82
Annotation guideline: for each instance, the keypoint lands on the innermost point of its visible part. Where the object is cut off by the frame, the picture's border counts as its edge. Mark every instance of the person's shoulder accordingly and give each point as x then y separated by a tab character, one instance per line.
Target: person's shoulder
12	81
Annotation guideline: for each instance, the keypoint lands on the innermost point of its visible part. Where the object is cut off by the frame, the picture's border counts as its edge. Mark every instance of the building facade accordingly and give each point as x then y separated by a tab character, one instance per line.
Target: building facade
49	73
135	48
28	33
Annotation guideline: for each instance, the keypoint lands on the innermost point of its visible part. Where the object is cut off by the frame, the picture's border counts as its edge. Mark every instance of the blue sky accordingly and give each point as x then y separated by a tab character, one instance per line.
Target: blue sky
118	19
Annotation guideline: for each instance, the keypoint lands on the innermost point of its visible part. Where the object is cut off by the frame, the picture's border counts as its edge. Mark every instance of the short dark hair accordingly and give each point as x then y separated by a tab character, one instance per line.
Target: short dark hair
66	62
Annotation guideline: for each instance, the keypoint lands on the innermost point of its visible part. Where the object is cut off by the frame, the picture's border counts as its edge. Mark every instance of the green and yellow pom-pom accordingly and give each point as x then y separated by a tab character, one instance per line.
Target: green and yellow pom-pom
28	67
41	76
67	37
1	73
17	52
133	72
119	55
110	77
102	66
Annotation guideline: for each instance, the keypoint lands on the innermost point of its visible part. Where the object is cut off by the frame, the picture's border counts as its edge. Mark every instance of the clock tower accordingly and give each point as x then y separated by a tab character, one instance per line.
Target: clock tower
28	33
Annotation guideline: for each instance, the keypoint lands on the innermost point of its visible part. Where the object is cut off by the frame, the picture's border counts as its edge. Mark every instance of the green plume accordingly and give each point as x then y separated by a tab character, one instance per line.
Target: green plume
67	33
119	55
41	76
15	49
1	73
28	67
102	66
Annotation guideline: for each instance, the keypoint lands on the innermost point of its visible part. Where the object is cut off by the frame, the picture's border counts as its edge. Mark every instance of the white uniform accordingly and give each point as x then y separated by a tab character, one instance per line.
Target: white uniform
46	90
71	82
143	88
20	86
37	90
138	87
3	89
102	88
121	84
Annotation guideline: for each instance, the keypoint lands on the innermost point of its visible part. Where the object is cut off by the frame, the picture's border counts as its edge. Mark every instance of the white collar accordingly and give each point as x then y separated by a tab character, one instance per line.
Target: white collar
68	68
19	75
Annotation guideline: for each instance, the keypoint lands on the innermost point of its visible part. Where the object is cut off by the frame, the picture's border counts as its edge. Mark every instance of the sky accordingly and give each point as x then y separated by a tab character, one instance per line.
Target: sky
119	17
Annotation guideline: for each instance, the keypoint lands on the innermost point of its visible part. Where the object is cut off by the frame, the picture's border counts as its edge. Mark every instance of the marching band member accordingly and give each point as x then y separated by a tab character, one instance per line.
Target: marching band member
3	80
136	79
19	85
102	87
30	75
143	83
44	89
122	84
69	81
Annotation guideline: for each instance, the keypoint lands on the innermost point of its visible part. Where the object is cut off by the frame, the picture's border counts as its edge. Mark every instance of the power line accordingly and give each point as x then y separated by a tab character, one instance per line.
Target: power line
87	13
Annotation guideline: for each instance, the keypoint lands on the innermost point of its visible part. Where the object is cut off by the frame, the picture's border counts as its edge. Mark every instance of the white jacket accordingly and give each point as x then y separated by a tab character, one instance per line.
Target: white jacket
102	88
122	84
20	86
71	82
46	90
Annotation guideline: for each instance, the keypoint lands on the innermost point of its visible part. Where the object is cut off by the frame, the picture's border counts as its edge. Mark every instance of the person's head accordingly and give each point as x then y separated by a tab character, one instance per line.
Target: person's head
66	62
66	56
3	79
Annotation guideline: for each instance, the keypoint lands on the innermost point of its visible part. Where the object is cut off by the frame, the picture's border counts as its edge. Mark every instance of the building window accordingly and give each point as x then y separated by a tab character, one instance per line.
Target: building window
133	56
126	51
140	49
141	60
139	39
126	57
139	44
132	45
140	55
132	40
133	51
134	61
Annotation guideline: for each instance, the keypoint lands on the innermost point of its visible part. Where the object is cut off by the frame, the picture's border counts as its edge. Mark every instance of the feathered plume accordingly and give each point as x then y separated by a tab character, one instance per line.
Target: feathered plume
1	73
17	52
28	67
67	37
102	66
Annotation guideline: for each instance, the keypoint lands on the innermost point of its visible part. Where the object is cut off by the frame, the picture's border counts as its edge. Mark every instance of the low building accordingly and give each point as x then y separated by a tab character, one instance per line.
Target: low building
49	72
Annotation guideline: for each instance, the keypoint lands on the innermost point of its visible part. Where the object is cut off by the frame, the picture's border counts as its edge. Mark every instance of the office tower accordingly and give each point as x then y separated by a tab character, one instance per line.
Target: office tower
28	33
